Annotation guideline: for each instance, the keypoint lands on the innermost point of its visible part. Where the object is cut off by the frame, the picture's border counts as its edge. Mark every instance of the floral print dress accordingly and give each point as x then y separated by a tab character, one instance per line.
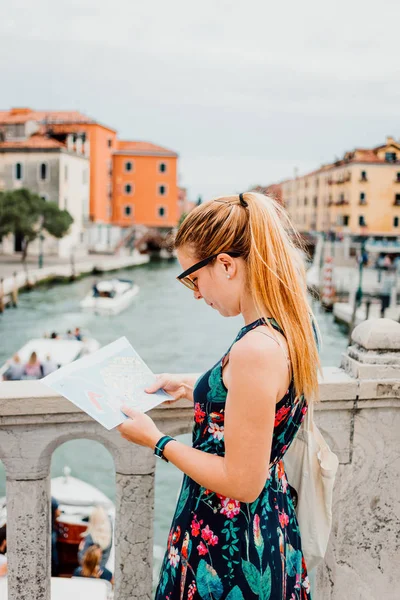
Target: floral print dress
220	548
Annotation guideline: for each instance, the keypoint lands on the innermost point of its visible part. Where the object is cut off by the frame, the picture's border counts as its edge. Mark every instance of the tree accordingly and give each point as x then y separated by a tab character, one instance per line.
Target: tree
28	215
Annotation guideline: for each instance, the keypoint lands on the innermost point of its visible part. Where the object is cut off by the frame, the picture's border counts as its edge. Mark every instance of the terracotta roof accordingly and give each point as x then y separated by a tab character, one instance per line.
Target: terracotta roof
142	149
22	115
38	142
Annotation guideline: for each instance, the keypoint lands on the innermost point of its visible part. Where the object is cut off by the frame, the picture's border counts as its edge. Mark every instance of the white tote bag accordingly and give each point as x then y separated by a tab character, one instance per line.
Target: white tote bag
311	468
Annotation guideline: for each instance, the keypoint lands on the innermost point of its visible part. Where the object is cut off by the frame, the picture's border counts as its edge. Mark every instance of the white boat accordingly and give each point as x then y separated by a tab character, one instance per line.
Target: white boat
76	501
110	296
61	351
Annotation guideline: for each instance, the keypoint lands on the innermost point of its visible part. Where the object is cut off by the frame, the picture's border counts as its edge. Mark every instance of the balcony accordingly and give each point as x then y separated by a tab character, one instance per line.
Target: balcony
359	415
340	179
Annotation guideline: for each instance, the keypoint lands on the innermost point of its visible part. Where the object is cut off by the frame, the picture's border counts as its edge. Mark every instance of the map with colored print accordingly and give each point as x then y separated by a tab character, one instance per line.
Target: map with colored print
101	382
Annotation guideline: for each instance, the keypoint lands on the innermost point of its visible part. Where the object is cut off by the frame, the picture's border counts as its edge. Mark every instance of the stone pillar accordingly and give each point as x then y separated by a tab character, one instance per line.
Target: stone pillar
134	510
362	562
28	539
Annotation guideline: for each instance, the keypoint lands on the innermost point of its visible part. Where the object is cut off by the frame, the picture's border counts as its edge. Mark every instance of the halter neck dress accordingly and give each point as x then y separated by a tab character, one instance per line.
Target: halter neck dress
222	549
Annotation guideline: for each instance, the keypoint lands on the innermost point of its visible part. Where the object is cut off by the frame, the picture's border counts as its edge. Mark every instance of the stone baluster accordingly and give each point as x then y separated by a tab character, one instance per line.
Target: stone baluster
28	539
362	561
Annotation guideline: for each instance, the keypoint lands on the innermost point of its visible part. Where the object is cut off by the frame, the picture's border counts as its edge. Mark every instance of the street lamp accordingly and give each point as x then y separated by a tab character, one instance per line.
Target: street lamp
41	238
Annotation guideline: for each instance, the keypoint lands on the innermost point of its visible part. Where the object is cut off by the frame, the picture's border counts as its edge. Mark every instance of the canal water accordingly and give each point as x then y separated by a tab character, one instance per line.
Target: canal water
170	330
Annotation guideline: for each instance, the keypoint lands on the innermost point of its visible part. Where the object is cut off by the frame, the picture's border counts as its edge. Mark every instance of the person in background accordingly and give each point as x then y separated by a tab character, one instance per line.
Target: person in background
33	369
49	365
387	263
95	290
69	335
99	532
3	550
388	284
78	334
91	565
54	335
15	369
55	513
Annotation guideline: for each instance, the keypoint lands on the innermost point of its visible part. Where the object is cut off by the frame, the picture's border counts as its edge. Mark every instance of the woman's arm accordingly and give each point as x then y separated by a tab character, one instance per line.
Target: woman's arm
256	374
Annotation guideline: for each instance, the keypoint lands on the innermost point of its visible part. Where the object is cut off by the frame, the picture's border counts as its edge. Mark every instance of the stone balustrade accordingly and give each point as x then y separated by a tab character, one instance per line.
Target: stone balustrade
359	416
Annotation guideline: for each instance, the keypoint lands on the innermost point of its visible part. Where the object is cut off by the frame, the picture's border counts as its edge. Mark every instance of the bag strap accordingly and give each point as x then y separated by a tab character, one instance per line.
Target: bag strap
308	423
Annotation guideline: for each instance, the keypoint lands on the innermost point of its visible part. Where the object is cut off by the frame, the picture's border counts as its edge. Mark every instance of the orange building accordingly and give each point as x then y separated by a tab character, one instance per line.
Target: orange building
145	190
57	125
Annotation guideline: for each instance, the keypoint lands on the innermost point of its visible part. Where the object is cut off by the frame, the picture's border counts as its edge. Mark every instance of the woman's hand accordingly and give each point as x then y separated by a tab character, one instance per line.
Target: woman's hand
139	428
174	385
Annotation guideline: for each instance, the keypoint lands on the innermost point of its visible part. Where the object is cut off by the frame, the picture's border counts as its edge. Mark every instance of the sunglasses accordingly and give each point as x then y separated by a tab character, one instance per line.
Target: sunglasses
189	283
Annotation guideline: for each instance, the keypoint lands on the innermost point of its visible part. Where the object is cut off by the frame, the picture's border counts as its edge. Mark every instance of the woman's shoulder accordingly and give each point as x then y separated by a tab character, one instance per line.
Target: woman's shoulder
261	344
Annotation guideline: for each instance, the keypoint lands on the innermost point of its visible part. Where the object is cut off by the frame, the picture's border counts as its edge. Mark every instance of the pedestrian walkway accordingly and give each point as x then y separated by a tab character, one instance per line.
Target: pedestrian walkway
17	275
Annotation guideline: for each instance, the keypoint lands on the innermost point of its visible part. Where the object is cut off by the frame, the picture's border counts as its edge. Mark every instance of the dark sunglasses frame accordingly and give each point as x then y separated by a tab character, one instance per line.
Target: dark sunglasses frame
184	277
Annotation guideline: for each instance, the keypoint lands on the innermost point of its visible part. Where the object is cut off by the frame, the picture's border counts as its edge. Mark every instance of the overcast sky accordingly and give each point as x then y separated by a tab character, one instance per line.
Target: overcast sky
244	92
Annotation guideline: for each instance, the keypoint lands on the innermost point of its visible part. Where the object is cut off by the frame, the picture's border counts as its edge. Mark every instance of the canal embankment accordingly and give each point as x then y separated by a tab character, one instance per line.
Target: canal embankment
16	277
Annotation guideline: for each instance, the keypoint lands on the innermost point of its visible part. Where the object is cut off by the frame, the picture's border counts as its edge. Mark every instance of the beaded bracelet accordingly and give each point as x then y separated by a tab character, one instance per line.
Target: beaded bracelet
159	447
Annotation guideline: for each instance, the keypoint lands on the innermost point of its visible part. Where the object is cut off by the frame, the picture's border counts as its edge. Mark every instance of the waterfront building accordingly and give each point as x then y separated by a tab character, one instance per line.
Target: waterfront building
356	195
130	183
58	171
21	123
274	191
145	190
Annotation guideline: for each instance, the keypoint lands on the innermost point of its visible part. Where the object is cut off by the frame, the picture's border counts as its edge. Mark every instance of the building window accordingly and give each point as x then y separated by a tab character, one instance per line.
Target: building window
162	190
395	221
363	198
363	175
109	143
128	166
128	188
162	211
390	156
361	221
346	220
315	201
398	176
162	167
18	171
305	201
397	200
43	171
127	210
44	197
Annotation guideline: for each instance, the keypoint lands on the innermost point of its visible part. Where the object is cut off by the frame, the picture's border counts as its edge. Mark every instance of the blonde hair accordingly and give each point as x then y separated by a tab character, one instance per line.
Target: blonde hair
258	228
99	528
91	561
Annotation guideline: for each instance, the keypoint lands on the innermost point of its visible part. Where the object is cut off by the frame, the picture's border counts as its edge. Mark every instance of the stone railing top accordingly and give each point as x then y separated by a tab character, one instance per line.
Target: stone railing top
377	334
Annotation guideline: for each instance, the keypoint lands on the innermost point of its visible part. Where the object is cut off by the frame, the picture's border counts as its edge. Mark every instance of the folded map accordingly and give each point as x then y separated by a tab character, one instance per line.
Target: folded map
100	383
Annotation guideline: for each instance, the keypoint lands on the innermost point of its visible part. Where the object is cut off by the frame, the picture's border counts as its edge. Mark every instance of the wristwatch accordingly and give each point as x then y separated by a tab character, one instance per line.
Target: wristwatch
159	447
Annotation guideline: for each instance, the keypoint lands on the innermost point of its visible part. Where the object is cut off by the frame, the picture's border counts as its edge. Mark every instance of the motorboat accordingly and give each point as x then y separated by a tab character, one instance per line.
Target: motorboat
76	500
61	351
110	296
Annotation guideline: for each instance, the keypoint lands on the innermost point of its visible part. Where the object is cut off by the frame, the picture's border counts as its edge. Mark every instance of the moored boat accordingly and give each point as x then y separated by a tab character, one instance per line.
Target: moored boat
61	352
110	296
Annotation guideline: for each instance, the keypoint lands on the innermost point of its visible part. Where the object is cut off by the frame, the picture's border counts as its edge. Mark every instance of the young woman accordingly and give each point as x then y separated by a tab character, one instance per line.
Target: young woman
99	532
91	565
235	535
33	368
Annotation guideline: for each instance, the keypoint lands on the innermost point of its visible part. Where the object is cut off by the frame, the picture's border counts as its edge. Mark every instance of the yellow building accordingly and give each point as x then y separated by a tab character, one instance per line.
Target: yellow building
358	195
